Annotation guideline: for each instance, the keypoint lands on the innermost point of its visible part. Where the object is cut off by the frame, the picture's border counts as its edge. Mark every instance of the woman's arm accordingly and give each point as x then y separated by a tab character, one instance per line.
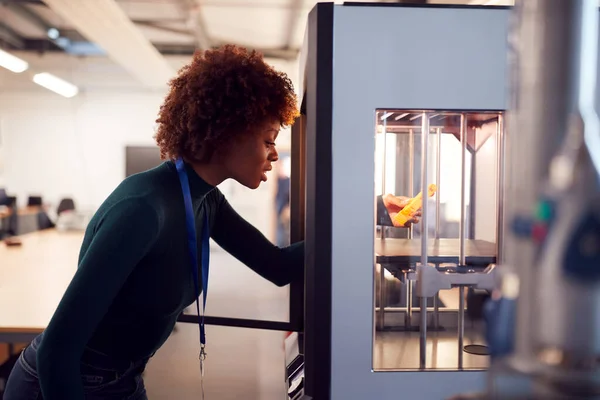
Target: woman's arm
278	265
389	205
383	216
234	234
122	238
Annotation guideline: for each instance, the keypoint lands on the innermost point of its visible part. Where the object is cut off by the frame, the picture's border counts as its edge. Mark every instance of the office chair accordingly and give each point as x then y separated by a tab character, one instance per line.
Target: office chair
3	197
34	201
5	369
44	221
10	227
66	204
3	202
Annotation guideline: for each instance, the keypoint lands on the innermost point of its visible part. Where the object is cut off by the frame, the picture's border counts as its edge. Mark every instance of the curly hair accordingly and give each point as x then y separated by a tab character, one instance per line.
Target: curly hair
221	94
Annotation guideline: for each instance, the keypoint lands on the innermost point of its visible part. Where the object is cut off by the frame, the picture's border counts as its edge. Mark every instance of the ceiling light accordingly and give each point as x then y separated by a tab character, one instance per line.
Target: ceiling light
12	63
56	84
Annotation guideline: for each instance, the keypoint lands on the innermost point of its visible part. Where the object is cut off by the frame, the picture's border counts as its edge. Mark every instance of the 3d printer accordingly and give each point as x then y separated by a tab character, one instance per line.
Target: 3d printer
415	97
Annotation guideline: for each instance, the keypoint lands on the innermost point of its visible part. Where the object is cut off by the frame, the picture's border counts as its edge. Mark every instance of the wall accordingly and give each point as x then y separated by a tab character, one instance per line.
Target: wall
58	147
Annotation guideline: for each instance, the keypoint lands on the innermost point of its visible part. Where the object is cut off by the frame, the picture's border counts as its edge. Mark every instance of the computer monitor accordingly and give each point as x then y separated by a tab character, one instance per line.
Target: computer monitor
4	201
141	158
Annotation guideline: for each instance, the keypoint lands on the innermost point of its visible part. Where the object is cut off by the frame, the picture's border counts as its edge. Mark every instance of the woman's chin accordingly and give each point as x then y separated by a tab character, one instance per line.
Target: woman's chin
252	185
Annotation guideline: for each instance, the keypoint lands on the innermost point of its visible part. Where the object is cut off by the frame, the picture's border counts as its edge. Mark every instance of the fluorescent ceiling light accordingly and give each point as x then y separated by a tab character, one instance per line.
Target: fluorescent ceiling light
12	63
55	84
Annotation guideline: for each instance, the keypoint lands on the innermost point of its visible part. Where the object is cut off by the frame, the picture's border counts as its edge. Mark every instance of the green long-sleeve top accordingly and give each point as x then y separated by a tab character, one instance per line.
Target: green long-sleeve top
133	278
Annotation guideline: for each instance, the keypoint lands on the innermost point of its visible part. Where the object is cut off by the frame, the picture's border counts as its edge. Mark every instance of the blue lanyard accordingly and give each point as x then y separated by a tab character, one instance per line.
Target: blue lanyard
193	249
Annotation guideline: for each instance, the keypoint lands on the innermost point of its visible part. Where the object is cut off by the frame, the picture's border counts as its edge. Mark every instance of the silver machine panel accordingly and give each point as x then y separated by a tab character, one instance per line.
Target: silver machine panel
406	58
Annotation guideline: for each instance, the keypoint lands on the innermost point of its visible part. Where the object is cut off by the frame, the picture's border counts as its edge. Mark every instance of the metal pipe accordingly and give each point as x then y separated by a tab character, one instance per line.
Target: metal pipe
462	258
424	230
409	296
382	299
402	310
411	193
407	321
463	180
436	309
437	182
381	314
461	325
411	170
432	113
438	174
383	168
424	184
500	190
405	128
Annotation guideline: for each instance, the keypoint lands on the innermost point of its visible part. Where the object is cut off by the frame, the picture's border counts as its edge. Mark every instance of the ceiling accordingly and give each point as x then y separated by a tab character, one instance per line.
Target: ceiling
275	27
140	35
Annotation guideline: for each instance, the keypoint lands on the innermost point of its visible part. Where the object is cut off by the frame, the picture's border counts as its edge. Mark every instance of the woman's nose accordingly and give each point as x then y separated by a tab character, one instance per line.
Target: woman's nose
273	155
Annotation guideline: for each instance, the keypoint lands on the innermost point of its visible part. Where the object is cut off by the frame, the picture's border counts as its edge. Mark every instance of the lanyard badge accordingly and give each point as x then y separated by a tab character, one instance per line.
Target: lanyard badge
193	250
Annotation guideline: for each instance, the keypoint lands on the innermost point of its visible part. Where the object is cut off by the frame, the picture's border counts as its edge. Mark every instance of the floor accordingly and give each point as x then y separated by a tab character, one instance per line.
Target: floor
241	363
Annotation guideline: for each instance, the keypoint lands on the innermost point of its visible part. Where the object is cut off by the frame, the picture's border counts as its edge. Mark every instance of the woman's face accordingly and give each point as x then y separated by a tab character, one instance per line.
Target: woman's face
251	155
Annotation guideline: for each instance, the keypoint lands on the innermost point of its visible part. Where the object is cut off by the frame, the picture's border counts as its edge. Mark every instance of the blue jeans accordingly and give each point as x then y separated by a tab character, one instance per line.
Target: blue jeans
103	378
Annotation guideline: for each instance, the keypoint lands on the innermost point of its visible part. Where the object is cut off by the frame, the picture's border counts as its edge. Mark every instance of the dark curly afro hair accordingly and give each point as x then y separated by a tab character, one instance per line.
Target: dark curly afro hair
222	93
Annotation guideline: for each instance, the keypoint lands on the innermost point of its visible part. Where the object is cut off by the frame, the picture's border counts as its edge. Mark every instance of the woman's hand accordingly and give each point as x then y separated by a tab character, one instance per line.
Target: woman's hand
394	204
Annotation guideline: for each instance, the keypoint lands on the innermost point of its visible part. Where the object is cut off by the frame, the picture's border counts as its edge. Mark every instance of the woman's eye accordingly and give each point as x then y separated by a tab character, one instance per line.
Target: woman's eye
270	143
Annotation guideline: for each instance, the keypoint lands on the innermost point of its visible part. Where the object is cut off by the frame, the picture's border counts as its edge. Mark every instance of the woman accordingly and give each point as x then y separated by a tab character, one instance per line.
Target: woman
219	121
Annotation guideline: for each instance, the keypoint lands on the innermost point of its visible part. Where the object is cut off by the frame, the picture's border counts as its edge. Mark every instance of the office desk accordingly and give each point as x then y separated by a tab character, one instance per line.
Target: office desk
33	278
23	211
25	221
